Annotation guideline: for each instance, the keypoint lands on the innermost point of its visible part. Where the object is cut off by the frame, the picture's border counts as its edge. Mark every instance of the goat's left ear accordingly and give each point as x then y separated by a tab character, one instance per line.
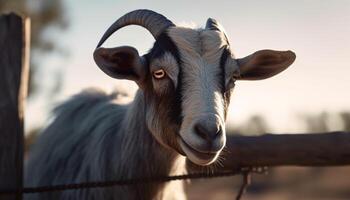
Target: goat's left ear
264	64
121	62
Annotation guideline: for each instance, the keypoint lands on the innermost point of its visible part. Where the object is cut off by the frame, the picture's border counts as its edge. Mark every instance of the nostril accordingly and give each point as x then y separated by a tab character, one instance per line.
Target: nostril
201	131
219	131
206	132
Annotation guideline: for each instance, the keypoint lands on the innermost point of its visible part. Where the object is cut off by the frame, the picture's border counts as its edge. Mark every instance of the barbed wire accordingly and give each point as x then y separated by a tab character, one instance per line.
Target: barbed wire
103	184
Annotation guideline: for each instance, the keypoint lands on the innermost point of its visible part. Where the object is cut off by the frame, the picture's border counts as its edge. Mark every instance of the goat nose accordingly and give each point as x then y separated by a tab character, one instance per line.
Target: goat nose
207	130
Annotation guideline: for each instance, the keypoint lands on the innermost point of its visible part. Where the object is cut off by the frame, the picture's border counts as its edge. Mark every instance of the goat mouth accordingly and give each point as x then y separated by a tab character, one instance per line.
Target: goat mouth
195	156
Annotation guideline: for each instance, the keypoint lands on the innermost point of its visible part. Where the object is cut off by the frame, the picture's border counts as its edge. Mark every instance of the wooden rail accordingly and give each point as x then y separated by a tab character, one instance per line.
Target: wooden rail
318	149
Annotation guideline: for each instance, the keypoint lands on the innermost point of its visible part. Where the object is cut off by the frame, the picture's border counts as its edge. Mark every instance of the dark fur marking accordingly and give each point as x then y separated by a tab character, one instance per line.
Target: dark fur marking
226	92
165	44
226	52
162	45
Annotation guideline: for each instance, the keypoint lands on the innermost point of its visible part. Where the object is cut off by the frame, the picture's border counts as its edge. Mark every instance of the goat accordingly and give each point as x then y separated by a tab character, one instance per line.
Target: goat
179	112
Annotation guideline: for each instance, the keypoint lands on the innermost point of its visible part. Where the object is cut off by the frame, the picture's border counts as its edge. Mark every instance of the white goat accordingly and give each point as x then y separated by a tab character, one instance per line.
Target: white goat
179	112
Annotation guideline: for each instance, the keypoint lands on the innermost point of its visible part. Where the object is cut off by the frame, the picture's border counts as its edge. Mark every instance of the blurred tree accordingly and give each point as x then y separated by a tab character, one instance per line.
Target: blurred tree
256	125
345	116
45	15
317	123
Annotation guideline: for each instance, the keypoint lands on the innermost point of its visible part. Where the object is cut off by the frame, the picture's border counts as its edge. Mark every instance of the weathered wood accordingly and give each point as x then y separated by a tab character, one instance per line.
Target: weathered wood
319	149
14	65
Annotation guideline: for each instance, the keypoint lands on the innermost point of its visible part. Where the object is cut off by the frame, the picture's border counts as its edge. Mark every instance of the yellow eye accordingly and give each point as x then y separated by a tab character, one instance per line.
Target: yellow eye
158	74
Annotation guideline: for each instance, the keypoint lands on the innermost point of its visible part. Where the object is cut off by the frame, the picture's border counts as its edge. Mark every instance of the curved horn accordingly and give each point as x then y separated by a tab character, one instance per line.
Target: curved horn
154	22
212	24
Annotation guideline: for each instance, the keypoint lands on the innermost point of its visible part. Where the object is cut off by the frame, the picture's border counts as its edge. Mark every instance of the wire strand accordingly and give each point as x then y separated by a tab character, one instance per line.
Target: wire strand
103	184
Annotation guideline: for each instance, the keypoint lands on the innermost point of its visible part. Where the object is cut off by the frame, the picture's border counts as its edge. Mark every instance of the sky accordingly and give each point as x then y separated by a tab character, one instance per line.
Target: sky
316	30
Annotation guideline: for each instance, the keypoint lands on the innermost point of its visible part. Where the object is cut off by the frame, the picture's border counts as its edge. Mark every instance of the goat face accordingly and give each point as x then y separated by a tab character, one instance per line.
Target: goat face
187	79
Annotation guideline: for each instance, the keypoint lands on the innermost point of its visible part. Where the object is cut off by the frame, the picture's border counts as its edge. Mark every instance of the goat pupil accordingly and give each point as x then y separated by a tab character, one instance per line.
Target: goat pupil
159	73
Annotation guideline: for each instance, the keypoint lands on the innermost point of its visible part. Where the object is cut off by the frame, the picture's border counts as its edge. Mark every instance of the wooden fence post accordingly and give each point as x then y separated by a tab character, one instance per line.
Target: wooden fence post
14	67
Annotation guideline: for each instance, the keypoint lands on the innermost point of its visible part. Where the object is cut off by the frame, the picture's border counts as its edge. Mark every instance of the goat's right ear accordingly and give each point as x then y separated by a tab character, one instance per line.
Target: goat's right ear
121	62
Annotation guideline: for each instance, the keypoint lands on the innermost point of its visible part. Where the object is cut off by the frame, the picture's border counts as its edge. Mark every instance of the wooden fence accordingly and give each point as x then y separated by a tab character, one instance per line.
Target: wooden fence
14	66
323	149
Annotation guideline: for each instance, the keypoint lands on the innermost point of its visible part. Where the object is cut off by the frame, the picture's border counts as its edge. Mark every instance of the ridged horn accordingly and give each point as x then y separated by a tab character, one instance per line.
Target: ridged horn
214	25
154	22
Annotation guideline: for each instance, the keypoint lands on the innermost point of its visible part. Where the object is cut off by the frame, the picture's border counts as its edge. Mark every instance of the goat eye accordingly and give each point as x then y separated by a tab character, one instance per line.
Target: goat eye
158	74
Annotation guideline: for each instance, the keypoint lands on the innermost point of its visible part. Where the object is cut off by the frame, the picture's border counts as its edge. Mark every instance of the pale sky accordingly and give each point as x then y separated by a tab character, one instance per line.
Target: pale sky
317	31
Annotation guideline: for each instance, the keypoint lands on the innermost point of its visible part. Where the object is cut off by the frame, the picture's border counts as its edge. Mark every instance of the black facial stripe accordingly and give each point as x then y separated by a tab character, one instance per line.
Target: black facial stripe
226	52
162	45
226	93
178	97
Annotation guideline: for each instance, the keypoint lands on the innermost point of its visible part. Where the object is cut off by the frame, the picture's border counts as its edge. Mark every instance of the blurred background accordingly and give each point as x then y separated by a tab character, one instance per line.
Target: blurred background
311	96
